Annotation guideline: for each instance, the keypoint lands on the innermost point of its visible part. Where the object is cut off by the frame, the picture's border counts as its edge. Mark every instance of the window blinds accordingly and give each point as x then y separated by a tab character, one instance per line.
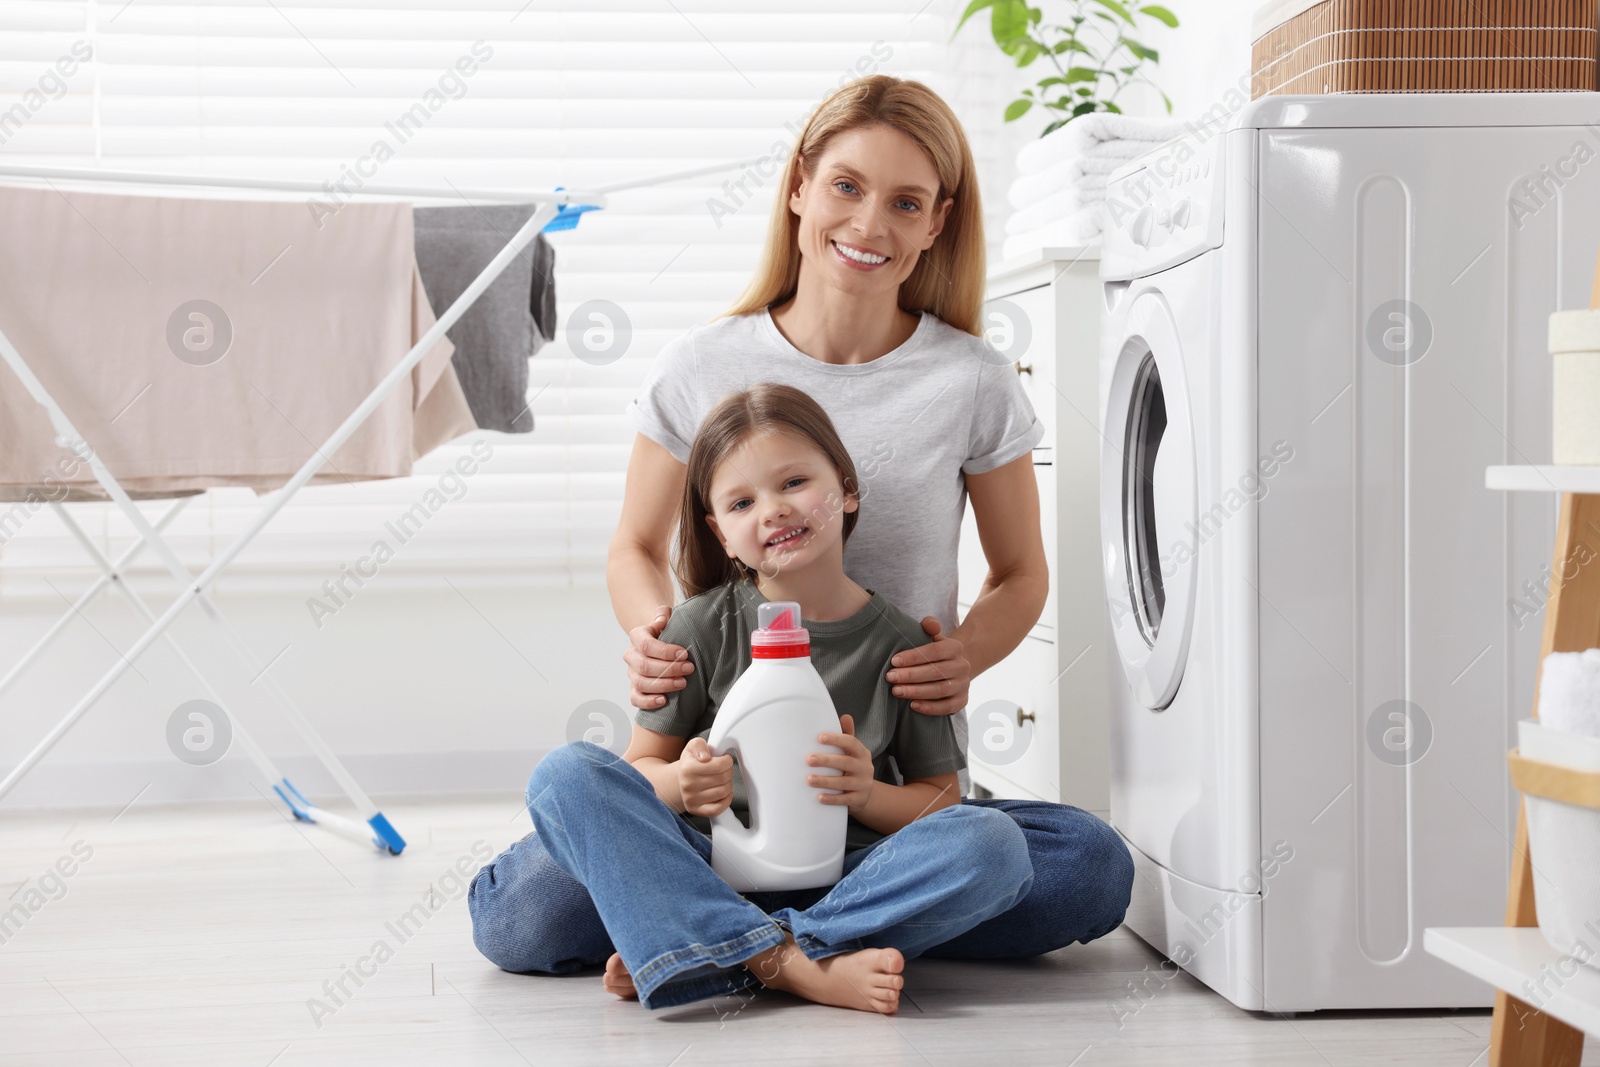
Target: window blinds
487	94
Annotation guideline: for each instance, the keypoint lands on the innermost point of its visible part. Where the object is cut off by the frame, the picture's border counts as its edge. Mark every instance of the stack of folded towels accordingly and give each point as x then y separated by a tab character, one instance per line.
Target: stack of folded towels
1569	692
1060	191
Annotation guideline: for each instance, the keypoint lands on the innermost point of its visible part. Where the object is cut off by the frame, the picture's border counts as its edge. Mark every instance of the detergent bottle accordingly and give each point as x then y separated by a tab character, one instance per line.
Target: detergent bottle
770	721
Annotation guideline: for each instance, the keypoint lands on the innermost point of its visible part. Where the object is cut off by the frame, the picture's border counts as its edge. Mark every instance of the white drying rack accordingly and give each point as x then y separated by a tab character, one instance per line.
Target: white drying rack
373	827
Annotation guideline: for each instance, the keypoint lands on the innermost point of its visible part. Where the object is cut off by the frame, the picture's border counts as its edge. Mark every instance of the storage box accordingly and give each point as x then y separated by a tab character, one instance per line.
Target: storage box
1559	775
1424	46
1575	387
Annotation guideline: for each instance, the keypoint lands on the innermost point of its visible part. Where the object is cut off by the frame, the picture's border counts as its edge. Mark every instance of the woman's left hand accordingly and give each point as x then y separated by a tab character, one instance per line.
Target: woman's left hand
934	676
855	777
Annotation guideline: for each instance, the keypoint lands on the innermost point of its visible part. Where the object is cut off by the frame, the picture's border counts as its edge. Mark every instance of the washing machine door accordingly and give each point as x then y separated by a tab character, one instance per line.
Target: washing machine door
1148	502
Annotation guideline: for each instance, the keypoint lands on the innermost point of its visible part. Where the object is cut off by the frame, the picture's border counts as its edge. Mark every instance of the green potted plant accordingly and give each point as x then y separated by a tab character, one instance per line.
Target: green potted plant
1094	57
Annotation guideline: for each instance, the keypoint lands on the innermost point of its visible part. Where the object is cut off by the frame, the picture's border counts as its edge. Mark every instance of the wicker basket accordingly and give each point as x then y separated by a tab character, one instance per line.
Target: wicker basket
1424	46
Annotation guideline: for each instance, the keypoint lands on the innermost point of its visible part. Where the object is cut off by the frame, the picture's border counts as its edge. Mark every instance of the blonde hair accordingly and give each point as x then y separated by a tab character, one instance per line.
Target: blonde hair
948	280
700	562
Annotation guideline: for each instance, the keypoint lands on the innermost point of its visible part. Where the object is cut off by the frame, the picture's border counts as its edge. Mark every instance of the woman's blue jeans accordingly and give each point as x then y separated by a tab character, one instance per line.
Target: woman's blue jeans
978	880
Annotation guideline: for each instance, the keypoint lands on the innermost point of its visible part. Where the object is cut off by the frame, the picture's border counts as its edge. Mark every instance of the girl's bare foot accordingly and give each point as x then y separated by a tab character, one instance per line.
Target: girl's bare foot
618	980
867	980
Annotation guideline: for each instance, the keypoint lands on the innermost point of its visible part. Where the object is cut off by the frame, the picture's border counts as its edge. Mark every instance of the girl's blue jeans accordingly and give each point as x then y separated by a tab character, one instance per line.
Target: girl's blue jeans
610	868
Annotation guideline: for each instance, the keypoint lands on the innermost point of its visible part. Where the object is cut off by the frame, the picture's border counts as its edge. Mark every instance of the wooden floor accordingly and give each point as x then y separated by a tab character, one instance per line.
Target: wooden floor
205	936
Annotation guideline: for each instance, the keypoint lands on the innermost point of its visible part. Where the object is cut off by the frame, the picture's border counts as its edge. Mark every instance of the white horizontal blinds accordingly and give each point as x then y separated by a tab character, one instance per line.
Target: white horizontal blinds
480	94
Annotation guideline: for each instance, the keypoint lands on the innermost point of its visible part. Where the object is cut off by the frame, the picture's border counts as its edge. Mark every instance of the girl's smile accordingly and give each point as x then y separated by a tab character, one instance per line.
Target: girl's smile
788	537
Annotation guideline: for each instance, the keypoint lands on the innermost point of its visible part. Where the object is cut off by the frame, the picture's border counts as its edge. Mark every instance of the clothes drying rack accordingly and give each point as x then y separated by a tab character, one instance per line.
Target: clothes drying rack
559	209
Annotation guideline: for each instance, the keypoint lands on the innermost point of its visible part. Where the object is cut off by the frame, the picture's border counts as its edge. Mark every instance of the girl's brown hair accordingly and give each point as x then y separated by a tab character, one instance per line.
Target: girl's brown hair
701	563
948	280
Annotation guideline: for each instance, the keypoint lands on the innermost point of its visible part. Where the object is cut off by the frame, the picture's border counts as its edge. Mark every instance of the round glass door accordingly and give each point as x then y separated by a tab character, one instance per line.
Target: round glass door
1148	501
1147	423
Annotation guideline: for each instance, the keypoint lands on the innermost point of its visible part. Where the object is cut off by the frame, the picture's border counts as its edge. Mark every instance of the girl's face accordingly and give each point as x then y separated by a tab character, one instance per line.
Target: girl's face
874	192
777	503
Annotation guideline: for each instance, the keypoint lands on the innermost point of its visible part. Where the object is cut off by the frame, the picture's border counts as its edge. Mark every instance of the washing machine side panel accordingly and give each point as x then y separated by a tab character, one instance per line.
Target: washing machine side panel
1402	303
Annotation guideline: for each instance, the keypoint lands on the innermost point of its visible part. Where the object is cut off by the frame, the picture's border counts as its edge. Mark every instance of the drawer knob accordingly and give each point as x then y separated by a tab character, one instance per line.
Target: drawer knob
1022	717
1024	368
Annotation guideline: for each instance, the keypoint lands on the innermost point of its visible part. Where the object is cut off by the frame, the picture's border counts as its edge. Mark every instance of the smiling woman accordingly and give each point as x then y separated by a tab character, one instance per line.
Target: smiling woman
867	299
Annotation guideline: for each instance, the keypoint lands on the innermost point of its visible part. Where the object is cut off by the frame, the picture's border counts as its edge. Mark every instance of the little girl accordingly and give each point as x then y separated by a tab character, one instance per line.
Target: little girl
770	499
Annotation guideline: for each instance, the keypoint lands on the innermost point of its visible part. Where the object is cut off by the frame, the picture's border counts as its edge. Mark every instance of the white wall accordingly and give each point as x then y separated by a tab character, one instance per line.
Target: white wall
431	686
1206	60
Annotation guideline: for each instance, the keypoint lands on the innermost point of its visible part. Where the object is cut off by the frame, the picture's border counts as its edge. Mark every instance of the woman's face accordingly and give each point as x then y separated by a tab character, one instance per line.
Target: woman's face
874	192
776	503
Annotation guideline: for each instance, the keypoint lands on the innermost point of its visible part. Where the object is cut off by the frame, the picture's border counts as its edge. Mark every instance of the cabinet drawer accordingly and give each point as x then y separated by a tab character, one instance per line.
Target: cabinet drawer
1022	328
1013	724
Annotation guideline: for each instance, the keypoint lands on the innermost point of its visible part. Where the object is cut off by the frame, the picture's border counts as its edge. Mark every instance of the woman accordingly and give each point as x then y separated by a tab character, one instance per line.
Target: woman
868	298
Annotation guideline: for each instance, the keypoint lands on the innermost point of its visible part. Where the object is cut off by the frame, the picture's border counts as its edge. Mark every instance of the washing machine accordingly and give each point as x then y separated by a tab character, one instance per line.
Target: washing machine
1323	320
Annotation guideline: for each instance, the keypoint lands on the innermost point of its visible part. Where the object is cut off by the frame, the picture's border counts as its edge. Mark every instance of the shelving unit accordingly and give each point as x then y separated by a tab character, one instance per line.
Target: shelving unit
1044	312
1540	1013
1518	959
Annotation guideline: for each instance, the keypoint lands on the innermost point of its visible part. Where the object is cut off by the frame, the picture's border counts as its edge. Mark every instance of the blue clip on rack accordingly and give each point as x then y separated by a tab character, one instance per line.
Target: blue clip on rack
567	215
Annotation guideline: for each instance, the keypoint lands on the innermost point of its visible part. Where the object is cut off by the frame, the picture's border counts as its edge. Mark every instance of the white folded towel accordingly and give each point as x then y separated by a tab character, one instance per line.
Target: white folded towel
1084	172
1084	134
1059	205
1078	229
1569	692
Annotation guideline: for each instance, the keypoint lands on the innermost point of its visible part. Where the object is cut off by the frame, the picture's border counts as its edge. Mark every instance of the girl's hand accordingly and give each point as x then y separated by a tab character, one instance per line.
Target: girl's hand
705	782
854	781
934	676
654	667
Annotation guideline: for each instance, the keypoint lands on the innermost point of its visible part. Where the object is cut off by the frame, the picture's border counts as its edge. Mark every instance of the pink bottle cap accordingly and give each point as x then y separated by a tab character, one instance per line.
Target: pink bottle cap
778	633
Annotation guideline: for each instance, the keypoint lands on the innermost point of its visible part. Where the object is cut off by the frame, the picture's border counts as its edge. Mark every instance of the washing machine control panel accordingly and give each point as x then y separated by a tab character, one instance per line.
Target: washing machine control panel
1156	225
1163	207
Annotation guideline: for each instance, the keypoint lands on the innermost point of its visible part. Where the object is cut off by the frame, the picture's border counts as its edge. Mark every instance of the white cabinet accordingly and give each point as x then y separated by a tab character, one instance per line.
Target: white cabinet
1037	719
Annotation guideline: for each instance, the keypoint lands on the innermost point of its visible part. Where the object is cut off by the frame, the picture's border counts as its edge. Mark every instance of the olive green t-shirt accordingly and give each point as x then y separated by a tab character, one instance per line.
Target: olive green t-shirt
852	655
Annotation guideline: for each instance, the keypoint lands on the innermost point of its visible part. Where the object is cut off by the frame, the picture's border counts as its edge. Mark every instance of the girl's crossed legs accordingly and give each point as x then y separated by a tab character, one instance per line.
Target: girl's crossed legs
684	934
530	915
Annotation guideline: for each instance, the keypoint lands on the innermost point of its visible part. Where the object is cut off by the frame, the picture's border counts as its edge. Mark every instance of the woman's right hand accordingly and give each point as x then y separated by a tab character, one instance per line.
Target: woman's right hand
654	667
705	781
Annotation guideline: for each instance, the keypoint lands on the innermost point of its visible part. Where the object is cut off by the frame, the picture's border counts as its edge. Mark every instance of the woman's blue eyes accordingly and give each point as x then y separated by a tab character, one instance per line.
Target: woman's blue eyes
902	200
737	504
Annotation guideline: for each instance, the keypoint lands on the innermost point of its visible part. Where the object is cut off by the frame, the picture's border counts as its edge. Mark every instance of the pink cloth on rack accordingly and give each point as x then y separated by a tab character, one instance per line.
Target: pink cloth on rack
98	292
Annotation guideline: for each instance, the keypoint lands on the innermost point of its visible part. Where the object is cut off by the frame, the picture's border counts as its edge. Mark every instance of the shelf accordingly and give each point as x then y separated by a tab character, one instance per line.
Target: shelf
1518	960
1046	263
1546	479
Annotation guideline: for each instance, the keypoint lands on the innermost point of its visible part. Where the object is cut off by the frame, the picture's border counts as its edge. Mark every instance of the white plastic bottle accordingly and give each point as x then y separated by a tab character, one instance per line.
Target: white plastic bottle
770	720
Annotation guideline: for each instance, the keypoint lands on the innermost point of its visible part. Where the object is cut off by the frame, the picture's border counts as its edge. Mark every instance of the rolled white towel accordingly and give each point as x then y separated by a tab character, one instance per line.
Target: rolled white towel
1078	229
1087	172
1058	205
1084	134
1569	692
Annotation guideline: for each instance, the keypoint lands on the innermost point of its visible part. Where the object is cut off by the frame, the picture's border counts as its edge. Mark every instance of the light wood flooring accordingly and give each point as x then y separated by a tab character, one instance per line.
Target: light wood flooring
198	936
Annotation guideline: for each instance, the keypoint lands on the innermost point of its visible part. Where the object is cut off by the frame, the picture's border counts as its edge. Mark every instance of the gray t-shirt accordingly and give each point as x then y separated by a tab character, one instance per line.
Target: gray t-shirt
915	420
852	655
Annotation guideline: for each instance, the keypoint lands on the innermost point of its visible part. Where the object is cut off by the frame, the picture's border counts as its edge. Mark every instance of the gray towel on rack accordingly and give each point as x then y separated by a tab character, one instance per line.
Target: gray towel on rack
510	322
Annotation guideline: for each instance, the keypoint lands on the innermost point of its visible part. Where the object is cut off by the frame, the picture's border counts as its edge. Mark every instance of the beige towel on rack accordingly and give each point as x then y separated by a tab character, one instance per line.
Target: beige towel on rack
98	293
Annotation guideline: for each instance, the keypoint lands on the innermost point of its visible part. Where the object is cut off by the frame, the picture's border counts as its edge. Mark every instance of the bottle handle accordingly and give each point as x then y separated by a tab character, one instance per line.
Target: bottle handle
725	820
